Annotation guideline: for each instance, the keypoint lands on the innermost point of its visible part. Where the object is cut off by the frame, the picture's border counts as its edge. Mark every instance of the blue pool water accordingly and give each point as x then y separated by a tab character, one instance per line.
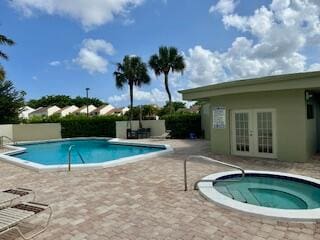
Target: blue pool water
272	191
92	151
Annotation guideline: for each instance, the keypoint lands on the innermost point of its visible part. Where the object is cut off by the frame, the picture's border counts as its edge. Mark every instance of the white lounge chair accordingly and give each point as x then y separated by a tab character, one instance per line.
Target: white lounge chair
7	197
12	216
166	135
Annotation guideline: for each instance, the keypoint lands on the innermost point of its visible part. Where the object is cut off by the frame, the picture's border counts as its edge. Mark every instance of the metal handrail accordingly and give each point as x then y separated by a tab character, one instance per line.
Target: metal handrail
69	154
208	180
1	140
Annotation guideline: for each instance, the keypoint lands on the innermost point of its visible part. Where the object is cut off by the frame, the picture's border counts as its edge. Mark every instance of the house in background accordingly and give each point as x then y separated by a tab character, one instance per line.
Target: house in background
45	111
118	111
270	117
67	110
25	111
102	110
84	109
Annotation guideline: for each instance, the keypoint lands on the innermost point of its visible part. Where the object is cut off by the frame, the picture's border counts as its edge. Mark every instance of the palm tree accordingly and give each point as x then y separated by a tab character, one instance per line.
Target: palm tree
131	71
2	73
5	41
167	60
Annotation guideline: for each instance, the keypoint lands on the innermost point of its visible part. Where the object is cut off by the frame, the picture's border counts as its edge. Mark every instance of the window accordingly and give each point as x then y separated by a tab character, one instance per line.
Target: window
310	113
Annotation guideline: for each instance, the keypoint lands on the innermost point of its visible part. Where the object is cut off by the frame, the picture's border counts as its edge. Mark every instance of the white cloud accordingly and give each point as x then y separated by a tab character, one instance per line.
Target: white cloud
203	67
90	13
154	96
275	40
91	56
223	6
54	63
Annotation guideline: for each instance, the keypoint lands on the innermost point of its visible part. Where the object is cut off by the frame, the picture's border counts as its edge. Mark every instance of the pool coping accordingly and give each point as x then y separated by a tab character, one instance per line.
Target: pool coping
63	167
211	194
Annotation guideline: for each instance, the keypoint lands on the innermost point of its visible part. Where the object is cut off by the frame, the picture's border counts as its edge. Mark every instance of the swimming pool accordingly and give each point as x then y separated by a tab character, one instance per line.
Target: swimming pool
271	194
93	152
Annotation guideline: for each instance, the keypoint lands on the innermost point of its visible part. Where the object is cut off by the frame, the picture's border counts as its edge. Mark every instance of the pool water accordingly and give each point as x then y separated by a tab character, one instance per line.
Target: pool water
272	191
92	151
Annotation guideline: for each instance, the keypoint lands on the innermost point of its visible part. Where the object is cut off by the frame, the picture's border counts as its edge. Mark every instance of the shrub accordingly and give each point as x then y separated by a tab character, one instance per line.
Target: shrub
181	125
82	126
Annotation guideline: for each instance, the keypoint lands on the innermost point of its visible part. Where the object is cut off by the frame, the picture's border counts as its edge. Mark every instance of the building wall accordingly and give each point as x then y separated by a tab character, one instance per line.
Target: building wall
41	131
106	109
6	130
157	127
69	110
90	109
292	126
52	110
25	112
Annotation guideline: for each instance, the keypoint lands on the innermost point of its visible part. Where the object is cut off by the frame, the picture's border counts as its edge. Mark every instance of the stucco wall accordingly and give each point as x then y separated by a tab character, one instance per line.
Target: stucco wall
290	121
6	130
43	131
157	127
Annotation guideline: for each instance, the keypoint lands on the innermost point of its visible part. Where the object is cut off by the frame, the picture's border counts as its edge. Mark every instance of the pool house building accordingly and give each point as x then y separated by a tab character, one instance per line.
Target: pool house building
270	117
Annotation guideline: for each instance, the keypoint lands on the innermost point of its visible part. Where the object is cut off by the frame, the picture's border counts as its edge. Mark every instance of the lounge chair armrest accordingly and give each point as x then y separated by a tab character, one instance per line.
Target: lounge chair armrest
25	189
38	204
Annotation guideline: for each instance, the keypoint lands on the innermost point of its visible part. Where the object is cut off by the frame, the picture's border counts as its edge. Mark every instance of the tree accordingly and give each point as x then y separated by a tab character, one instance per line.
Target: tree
5	41
11	101
82	101
165	110
133	72
63	101
147	111
2	73
168	59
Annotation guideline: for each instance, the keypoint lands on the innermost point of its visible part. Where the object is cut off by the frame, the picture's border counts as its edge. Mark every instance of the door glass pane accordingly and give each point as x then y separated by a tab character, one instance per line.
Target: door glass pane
242	132
265	132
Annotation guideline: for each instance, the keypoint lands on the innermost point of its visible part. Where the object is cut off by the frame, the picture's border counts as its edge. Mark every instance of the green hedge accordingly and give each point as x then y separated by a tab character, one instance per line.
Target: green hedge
181	125
82	126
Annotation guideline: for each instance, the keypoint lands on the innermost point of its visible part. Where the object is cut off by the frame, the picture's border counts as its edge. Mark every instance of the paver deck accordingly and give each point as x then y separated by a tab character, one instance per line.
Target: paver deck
145	200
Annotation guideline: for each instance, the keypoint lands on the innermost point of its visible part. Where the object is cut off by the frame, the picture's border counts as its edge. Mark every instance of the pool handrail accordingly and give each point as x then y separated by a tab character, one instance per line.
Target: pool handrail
69	156
211	160
6	137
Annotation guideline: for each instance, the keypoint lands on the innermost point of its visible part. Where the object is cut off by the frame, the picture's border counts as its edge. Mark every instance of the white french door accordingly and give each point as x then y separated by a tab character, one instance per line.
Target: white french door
253	132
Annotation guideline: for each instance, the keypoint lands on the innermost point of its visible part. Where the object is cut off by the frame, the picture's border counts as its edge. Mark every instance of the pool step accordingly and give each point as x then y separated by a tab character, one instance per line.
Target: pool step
245	197
238	196
234	194
224	190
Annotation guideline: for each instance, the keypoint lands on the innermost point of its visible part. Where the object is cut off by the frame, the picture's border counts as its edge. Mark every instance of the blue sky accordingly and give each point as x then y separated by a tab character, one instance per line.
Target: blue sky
63	48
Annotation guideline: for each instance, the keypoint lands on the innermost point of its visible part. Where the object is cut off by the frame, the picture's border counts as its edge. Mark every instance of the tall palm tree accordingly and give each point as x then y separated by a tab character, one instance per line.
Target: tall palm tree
133	72
5	41
168	59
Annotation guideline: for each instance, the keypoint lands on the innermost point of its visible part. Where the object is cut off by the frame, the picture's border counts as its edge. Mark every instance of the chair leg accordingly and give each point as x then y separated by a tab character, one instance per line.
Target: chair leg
34	234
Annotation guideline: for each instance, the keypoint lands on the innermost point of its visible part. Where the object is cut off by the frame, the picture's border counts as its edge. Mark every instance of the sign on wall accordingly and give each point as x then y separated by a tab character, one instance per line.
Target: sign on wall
219	117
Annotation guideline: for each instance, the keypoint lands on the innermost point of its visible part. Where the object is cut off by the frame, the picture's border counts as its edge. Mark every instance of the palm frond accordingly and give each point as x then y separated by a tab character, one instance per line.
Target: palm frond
6	41
3	55
2	73
178	64
154	63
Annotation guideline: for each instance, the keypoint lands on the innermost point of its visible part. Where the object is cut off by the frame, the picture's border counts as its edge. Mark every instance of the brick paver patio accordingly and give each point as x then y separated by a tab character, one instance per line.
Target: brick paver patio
145	200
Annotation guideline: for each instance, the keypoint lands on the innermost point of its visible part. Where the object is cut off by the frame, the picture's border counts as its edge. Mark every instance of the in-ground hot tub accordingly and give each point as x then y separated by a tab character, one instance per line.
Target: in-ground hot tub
271	194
